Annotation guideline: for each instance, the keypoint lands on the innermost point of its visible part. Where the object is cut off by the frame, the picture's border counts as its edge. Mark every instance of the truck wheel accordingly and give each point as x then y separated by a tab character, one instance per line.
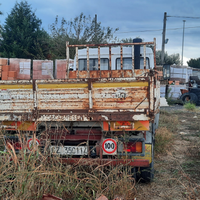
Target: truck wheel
147	173
189	97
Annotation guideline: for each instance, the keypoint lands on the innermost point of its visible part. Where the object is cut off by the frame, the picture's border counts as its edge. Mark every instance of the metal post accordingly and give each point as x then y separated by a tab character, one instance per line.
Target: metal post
163	38
95	30
183	41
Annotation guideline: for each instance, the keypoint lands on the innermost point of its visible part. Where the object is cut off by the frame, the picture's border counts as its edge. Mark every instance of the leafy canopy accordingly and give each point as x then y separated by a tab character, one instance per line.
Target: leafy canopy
22	36
195	63
168	59
80	30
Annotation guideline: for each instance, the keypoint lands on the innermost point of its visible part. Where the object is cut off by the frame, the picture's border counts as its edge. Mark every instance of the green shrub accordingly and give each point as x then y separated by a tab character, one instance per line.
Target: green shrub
189	106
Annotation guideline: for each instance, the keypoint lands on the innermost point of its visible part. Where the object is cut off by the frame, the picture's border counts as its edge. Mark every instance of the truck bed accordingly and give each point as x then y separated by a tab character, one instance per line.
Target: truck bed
89	99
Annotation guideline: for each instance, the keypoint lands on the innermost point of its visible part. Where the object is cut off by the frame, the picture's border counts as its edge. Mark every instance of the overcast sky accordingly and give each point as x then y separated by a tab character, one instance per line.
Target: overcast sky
134	18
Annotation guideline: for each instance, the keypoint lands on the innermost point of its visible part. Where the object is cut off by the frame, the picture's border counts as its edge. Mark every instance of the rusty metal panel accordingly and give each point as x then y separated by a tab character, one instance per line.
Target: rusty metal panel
67	57
105	73
116	97
16	97
157	95
152	103
61	96
116	73
94	74
112	44
83	74
128	73
73	74
141	72
93	100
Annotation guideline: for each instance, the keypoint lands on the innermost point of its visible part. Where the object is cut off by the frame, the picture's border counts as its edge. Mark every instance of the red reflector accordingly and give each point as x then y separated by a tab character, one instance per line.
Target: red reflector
127	150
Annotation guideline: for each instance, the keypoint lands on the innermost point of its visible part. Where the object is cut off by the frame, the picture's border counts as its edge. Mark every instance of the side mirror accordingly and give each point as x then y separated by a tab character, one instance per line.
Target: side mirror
166	72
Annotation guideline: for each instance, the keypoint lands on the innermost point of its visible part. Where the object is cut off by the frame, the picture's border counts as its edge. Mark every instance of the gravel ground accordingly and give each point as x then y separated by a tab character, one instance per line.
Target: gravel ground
172	108
176	107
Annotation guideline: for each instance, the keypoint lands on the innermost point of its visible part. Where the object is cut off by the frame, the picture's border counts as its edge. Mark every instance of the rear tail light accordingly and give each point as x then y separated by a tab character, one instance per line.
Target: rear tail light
133	147
16	145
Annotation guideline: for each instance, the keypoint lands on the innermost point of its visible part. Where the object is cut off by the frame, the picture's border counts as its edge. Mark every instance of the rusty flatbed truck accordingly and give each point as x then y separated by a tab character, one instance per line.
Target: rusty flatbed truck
105	111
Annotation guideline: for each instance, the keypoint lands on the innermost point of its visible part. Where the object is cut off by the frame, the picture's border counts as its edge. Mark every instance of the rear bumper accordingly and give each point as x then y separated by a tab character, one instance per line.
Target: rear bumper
106	162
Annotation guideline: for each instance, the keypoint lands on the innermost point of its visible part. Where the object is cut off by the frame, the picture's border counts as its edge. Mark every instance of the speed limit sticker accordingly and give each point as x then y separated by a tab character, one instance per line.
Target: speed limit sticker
109	146
30	143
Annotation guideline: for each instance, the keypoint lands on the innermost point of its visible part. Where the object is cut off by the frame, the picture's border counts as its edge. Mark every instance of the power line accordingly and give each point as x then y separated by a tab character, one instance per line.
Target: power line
152	30
184	17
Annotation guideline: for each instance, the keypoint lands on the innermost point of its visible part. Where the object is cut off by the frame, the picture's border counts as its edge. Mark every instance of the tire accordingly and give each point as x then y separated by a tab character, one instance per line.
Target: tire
189	97
147	173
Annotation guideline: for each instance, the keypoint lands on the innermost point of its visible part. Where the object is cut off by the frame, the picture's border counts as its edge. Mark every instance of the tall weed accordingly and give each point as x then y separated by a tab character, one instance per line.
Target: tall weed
30	175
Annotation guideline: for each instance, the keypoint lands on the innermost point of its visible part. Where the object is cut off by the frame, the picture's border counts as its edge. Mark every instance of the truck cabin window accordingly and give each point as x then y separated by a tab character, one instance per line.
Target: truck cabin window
127	63
93	64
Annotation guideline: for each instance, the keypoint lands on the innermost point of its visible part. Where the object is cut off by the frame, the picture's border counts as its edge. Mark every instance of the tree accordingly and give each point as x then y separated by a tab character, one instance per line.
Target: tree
0	11
59	36
168	59
0	14
80	30
195	63
22	36
127	40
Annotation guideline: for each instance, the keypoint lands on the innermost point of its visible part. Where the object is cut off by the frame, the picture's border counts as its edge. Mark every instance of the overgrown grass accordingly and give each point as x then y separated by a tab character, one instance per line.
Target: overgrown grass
189	106
164	139
168	125
169	120
30	175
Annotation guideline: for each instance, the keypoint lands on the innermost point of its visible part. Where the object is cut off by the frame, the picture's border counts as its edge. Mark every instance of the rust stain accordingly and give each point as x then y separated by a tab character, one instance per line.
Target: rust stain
73	74
128	73
105	74
116	73
83	74
94	74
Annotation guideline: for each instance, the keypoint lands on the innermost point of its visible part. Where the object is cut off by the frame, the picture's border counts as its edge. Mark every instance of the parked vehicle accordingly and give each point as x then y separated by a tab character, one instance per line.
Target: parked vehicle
192	95
106	111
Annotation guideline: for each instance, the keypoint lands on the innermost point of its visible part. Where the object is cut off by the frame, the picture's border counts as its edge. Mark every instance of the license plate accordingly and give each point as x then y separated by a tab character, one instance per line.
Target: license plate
69	150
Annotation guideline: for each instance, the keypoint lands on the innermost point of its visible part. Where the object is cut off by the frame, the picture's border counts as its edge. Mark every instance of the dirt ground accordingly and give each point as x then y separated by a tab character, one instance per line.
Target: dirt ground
177	171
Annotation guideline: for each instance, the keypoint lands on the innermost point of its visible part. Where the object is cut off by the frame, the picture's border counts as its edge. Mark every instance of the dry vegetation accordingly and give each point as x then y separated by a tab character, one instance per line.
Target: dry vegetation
177	169
177	158
29	176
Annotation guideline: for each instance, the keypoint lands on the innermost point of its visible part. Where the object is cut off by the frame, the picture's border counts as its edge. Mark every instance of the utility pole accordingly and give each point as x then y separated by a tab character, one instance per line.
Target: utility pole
163	38
95	30
183	41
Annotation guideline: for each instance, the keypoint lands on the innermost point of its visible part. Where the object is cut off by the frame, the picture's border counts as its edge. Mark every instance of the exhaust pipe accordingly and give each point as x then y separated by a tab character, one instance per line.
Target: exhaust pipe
137	53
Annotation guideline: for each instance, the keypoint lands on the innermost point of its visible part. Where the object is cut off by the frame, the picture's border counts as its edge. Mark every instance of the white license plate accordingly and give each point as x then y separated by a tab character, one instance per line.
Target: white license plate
69	150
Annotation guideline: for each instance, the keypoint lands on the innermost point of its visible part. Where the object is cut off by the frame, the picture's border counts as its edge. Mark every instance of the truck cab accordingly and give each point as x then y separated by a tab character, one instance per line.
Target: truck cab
115	58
